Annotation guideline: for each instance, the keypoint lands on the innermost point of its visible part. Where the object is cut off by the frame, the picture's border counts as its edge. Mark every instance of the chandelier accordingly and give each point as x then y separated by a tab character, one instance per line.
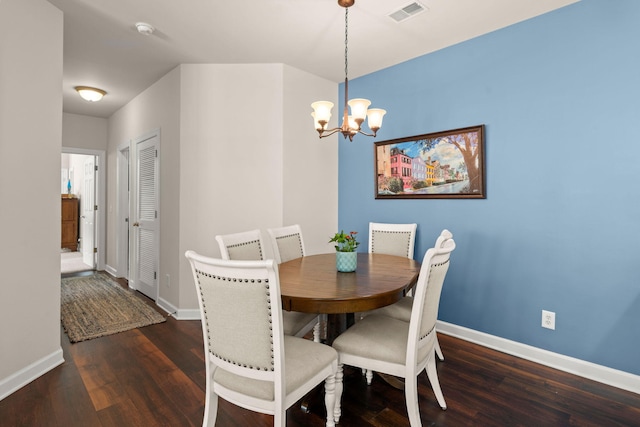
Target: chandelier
351	124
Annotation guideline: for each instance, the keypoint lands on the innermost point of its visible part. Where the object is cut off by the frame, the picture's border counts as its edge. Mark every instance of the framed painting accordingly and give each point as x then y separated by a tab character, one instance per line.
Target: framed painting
441	165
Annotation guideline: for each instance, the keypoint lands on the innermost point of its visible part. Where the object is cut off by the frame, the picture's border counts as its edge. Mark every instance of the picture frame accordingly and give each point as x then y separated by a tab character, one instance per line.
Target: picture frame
441	165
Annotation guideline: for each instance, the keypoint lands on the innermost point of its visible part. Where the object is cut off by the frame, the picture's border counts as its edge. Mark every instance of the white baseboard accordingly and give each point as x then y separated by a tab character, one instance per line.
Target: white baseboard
25	375
602	374
188	314
185	314
112	271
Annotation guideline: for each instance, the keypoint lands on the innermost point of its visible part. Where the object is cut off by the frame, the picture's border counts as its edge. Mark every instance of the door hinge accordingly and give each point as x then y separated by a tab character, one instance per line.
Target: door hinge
154	275
156	153
156	214
96	166
95	250
95	207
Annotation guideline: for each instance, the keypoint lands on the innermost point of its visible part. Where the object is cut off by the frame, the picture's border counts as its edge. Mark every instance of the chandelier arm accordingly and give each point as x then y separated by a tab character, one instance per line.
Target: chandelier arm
367	134
328	132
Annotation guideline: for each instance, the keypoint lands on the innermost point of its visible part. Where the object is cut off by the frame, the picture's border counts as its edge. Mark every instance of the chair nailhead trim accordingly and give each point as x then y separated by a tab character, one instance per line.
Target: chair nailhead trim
251	242
389	232
428	278
292	235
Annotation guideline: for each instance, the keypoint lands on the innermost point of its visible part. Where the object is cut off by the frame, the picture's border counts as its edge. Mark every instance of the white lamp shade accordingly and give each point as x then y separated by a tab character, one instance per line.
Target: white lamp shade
359	107
374	116
317	125
90	94
322	110
353	125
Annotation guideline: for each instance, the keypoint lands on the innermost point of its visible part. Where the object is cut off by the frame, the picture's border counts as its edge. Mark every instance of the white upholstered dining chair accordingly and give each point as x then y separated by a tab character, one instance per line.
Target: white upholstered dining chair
288	244
402	309
398	348
248	245
248	359
392	239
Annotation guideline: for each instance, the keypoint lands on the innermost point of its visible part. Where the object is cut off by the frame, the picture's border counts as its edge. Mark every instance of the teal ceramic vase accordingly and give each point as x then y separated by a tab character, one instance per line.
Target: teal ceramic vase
346	262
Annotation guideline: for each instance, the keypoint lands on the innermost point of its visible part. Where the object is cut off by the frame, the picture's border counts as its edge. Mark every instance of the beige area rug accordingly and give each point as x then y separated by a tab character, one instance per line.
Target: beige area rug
71	262
95	306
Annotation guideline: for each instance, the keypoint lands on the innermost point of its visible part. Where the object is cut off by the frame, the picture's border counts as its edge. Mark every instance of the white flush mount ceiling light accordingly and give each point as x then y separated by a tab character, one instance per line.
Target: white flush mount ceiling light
90	94
144	28
359	107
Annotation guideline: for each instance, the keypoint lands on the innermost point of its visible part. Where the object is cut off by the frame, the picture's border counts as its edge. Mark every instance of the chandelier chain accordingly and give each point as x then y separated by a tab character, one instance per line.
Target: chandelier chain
346	42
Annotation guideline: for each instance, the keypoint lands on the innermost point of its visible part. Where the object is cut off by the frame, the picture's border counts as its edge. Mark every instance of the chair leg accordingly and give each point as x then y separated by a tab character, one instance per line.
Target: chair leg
280	418
337	411
316	332
330	399
369	375
210	408
435	384
411	397
439	350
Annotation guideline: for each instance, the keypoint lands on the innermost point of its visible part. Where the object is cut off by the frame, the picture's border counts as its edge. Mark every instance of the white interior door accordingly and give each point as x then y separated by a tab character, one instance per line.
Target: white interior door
145	222
87	225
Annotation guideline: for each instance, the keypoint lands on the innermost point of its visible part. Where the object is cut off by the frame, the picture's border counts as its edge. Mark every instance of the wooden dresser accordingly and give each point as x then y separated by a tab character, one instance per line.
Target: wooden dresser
69	223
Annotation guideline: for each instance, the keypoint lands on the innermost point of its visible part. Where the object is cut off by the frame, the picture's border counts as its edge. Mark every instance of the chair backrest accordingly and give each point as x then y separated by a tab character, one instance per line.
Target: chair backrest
392	239
426	299
287	243
241	316
241	246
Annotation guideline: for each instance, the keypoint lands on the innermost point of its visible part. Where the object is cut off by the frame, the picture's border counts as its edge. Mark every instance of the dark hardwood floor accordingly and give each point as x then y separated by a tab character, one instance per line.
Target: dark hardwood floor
154	376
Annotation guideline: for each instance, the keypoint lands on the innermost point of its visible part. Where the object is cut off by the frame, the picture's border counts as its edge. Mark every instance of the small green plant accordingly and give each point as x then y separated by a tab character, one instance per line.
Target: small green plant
345	242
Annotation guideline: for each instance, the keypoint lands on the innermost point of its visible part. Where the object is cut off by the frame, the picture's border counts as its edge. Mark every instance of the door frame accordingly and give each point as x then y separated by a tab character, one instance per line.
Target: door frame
100	224
122	209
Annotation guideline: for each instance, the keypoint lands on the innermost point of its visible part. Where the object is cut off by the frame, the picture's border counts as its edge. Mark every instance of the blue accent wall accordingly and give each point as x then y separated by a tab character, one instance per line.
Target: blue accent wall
559	96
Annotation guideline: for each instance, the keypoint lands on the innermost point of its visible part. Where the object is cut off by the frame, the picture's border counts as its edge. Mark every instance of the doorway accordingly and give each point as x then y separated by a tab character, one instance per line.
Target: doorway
82	193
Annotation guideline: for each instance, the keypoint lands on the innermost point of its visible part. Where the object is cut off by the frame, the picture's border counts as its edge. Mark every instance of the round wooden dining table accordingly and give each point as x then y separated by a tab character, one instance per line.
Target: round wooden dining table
312	284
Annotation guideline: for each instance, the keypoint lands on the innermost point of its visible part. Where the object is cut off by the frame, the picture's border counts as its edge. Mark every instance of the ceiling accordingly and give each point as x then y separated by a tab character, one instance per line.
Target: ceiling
102	47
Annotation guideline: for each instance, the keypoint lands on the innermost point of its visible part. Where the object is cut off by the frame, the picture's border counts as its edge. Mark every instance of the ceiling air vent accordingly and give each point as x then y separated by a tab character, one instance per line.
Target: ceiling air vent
407	12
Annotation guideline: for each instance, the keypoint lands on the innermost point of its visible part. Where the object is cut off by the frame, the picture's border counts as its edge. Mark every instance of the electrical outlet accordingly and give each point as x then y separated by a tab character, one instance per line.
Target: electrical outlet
167	280
548	319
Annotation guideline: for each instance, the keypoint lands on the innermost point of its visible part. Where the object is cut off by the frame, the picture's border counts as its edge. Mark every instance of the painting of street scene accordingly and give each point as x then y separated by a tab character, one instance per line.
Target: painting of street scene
447	164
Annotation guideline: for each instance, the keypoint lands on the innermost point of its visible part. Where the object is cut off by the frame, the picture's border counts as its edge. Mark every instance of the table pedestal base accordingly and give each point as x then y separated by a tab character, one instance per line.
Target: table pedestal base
338	323
393	381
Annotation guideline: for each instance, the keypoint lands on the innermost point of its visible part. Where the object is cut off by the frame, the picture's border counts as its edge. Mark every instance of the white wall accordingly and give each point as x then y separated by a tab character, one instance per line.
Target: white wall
236	147
158	107
248	149
74	165
30	128
231	156
310	175
79	131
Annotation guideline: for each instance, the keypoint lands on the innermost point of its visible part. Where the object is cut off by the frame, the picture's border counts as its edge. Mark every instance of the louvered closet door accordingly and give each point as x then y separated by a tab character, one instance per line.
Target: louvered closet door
145	228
